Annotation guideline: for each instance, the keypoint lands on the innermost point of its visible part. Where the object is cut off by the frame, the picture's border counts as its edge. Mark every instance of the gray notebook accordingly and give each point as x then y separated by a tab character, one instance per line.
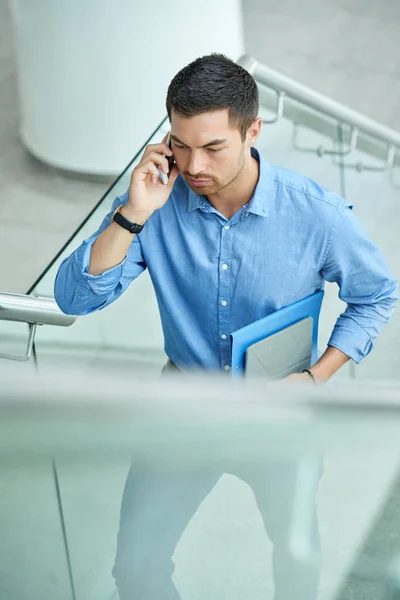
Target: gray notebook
285	352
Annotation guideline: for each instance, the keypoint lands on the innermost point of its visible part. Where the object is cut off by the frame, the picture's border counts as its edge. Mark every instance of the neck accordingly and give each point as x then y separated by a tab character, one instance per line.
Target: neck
232	197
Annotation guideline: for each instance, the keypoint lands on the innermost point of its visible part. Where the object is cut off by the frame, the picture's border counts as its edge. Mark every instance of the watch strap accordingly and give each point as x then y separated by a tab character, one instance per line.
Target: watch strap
311	374
125	223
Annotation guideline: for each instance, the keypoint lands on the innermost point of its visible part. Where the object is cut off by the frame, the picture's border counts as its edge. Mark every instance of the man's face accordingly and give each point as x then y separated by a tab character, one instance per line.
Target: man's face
207	168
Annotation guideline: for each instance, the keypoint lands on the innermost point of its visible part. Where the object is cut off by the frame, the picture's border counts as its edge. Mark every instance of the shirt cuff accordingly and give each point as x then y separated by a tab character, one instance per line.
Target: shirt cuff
99	284
351	339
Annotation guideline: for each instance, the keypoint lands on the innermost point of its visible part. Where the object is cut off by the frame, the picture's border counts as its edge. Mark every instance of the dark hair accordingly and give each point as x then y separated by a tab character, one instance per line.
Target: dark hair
215	82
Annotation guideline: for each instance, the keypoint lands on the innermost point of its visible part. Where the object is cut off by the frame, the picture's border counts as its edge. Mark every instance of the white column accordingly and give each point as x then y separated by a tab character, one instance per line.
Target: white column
93	74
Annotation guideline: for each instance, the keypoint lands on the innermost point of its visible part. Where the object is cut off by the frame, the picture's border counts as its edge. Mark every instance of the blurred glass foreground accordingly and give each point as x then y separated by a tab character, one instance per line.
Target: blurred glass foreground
67	442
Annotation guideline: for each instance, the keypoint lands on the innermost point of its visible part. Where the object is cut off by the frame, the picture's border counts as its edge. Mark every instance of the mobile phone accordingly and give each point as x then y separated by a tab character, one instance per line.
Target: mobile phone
171	162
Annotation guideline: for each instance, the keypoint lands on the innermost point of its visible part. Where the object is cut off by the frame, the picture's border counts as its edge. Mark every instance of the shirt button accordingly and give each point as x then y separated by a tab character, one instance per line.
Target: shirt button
224	267
227	227
223	336
224	303
227	367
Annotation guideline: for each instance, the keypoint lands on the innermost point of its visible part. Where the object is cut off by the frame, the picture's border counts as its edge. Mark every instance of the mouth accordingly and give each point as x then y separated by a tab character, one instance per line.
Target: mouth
199	182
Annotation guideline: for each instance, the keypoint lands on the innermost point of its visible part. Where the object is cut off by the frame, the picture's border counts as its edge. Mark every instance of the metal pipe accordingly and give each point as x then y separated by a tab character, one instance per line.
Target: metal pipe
29	309
281	83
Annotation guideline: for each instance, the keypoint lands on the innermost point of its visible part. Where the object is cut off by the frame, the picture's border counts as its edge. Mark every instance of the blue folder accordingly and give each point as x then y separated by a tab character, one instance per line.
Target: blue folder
242	339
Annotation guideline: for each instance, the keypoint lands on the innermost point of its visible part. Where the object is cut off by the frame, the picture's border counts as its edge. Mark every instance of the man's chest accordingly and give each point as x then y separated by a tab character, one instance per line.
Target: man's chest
250	262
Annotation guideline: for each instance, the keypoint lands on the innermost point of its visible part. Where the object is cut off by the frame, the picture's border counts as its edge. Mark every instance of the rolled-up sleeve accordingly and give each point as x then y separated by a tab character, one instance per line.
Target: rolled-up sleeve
365	283
79	293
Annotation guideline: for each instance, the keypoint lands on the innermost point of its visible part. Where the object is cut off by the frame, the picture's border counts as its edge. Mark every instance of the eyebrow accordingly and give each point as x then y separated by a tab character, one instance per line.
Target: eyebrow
215	142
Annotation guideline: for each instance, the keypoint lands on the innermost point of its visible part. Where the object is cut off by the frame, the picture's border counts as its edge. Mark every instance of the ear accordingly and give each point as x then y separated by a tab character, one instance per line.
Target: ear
254	131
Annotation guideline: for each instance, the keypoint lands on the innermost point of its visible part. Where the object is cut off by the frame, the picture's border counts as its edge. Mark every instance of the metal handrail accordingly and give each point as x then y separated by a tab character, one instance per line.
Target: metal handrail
30	309
34	311
292	88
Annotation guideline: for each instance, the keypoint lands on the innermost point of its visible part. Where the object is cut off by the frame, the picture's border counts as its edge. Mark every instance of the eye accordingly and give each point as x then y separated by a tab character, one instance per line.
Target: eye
213	150
181	147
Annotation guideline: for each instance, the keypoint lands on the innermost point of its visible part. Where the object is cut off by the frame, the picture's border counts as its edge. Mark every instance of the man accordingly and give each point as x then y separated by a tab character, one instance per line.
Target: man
228	240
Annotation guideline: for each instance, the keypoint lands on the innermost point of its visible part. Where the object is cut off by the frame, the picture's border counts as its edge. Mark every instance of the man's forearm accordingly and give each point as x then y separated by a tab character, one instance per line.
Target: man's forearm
329	363
112	245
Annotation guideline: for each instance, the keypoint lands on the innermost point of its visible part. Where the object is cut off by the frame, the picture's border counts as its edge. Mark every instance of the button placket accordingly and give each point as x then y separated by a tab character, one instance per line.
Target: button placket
224	296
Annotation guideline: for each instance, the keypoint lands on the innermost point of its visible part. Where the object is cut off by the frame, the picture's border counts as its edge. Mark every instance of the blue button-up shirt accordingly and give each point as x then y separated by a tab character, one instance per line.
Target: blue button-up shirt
213	276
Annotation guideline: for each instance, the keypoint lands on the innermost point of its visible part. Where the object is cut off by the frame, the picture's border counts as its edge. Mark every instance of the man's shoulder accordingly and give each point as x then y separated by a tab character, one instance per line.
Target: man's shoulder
306	189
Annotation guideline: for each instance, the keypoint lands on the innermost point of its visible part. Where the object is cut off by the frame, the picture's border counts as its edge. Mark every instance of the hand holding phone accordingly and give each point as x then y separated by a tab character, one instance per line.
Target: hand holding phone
150	185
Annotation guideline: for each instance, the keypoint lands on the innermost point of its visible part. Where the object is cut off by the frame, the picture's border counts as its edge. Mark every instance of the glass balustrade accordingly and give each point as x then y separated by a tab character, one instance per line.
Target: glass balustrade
216	443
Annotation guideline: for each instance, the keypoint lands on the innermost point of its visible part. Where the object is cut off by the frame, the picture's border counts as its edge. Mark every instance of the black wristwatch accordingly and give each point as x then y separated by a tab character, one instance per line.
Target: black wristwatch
125	223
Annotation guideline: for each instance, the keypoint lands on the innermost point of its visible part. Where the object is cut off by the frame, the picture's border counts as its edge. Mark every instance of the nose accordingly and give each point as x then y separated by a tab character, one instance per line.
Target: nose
196	164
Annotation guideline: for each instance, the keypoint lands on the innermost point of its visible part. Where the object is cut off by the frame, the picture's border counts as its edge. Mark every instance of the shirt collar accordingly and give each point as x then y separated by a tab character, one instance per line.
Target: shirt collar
259	202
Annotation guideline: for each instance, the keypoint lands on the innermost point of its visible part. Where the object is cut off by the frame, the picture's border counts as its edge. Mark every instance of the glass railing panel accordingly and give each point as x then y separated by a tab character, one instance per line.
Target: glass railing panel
376	199
92	488
220	447
32	555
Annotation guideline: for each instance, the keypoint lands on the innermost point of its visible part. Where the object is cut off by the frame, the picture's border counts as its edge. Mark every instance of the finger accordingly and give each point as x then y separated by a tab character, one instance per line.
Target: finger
149	168
159	160
162	149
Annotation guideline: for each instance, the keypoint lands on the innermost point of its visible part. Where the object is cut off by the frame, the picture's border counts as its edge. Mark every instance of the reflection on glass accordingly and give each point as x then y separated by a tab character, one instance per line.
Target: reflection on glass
32	554
158	505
